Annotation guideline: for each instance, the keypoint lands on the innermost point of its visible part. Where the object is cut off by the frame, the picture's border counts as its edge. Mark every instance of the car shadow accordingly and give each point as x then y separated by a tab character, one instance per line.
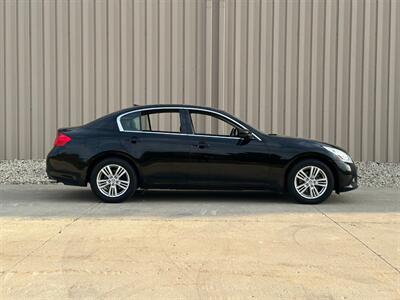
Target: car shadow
57	200
209	196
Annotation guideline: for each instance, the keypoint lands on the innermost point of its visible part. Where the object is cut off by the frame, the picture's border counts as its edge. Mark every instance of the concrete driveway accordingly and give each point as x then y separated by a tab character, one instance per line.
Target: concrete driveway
61	242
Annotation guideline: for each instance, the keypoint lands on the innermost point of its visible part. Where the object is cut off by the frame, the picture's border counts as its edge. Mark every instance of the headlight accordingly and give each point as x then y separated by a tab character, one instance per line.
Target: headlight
340	154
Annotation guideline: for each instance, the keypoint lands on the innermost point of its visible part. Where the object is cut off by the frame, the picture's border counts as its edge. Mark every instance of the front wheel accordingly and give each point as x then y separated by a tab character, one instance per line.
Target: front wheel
113	180
310	182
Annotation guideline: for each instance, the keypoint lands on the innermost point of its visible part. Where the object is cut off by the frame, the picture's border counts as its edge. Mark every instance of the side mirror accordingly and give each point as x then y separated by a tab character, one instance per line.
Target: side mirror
244	134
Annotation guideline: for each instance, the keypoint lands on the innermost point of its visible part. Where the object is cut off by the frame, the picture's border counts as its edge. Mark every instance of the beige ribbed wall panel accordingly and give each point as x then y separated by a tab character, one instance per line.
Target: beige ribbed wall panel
327	70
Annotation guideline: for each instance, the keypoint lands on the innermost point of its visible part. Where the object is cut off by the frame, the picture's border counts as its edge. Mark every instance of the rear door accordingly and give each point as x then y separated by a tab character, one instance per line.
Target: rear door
158	141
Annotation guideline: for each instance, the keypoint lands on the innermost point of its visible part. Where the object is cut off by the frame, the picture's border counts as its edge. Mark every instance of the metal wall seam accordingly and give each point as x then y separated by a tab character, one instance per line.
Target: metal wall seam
190	39
114	56
76	84
11	78
88	60
291	72
266	62
177	55
356	66
368	107
3	124
229	56
63	59
278	88
394	89
164	58
317	71
238	46
152	37
253	64
37	73
330	68
139	44
101	54
382	53
304	69
50	74
24	83
208	56
343	71
127	50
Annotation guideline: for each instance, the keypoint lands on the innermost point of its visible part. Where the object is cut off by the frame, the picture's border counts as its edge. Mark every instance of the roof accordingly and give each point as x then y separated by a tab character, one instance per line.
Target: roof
187	106
171	105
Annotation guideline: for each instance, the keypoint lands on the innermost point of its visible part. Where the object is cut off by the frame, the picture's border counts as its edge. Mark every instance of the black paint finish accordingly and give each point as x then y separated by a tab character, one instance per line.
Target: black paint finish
190	161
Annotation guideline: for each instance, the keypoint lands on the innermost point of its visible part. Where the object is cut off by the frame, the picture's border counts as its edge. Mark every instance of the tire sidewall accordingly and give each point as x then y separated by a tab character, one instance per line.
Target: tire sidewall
132	176
305	163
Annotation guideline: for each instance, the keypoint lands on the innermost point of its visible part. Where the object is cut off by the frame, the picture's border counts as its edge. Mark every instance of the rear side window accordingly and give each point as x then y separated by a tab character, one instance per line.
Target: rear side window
165	121
135	122
157	121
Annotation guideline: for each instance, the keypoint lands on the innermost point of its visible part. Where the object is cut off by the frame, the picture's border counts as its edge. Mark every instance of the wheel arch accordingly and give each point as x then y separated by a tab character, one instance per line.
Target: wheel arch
113	154
315	156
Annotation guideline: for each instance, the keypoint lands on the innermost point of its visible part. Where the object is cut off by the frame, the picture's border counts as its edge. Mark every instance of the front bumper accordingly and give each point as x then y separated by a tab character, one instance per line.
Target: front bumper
352	186
347	177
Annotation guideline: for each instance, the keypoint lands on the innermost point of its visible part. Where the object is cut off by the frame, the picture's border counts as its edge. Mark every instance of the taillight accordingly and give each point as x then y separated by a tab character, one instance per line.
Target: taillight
61	140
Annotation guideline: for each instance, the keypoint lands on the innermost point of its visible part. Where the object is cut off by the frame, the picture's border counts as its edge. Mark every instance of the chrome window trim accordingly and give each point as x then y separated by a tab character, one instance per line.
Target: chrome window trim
184	134
121	129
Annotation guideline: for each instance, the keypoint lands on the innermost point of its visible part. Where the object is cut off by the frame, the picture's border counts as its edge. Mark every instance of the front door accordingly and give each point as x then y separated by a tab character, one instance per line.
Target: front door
222	158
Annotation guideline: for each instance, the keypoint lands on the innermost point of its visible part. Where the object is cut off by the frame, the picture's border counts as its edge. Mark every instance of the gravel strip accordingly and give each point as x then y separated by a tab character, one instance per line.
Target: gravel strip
23	172
372	174
379	175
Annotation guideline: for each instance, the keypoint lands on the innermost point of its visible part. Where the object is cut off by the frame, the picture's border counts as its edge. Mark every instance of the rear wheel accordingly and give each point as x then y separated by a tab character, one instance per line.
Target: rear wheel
113	180
310	182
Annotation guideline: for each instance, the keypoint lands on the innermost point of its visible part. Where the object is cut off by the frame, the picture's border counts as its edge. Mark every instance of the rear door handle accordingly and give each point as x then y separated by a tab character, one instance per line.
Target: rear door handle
202	145
133	140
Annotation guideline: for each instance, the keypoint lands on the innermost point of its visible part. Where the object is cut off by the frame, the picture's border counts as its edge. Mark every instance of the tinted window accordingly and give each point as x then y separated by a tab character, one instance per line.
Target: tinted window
135	122
207	124
157	121
165	121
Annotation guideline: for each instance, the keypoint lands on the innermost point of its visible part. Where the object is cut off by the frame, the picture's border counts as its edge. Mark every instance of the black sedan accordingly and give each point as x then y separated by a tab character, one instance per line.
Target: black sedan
192	147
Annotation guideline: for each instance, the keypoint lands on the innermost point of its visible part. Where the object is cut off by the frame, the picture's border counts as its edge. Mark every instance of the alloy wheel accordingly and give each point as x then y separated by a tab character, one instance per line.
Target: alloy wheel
311	182
113	180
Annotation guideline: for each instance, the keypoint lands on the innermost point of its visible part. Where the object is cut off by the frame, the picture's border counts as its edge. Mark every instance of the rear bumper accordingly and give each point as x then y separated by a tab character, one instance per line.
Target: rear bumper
67	179
66	168
347	179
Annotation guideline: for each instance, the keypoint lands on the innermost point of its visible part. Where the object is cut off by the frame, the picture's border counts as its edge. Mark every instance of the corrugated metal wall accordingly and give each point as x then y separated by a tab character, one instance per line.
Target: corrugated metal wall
328	70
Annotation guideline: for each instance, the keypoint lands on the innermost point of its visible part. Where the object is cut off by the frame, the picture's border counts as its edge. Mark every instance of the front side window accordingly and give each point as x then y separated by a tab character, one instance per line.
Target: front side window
208	124
154	121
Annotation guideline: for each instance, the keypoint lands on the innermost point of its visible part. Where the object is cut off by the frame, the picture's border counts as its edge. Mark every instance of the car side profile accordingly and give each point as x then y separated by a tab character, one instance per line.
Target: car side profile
193	147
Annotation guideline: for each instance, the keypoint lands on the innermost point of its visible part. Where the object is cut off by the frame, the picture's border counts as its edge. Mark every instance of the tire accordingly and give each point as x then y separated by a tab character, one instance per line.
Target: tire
109	187
317	188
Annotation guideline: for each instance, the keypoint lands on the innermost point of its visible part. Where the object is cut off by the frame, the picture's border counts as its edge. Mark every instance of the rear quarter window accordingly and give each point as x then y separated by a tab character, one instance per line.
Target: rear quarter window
134	122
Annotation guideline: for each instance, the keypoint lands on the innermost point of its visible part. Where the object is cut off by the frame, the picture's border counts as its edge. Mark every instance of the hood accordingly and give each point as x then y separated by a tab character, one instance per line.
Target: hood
302	141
